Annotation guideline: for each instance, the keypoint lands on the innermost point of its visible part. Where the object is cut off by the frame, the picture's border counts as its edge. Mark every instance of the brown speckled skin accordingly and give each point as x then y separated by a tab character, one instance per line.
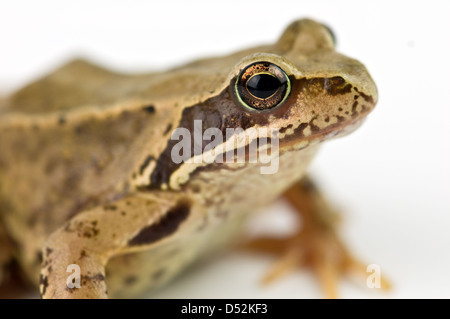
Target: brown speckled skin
84	166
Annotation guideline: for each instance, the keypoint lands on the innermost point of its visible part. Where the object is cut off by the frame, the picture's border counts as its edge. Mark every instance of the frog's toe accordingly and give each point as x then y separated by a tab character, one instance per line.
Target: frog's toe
317	249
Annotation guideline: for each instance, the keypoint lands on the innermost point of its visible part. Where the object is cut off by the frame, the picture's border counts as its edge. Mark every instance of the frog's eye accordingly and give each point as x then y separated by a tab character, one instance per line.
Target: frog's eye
262	86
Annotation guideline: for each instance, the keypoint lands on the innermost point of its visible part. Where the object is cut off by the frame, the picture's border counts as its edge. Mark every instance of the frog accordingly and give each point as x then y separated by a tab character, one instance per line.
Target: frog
99	200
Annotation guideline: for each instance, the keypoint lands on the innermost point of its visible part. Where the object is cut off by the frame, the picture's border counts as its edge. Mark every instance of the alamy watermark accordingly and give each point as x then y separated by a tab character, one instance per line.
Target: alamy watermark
374	279
74	280
253	145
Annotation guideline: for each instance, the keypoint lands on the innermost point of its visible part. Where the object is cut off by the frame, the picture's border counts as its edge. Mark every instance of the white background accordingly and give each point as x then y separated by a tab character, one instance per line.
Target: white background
390	178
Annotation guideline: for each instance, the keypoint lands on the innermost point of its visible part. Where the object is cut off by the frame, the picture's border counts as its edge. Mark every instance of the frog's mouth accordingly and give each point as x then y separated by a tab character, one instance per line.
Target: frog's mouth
298	140
346	130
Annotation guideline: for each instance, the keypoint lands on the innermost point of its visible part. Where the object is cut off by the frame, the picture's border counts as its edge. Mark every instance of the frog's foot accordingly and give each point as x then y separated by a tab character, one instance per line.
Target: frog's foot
315	246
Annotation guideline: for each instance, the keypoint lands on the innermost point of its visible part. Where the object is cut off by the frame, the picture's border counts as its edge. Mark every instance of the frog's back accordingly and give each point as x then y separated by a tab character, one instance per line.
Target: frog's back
71	141
66	89
80	84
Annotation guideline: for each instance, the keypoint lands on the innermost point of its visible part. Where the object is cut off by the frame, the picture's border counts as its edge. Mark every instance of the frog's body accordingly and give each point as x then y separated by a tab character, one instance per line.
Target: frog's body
86	173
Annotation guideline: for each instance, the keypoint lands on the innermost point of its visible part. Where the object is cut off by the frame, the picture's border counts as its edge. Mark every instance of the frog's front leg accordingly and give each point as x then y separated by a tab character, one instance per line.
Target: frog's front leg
316	245
91	238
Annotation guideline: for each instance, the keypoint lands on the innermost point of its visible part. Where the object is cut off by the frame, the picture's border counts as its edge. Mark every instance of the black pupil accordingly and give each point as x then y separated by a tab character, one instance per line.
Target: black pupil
263	85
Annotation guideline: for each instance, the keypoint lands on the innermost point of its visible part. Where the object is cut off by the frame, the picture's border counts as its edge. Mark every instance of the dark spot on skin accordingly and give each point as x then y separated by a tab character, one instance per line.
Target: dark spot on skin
82	254
340	118
168	129
35	127
71	290
327	119
284	129
78	130
314	128
123	213
50	269
354	112
48	251
297	134
43	281
299	130
150	109
110	207
134	175
166	226
144	165
366	97
208	202
340	109
195	188
87	231
39	257
130	280
356	97
91	233
98	277
158	274
337	85
62	120
85	279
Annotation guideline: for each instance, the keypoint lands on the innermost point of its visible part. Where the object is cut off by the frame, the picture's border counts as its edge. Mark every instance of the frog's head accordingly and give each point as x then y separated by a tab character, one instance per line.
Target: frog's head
303	87
300	88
